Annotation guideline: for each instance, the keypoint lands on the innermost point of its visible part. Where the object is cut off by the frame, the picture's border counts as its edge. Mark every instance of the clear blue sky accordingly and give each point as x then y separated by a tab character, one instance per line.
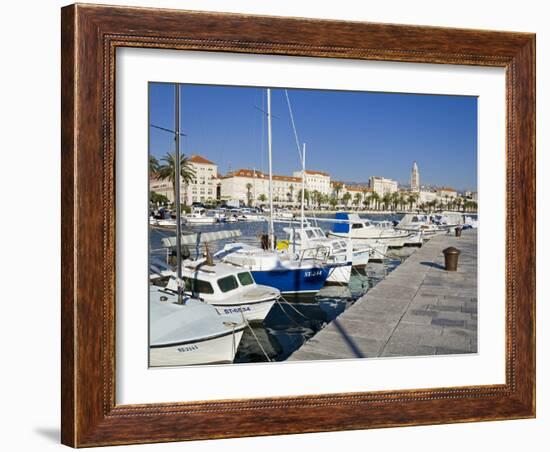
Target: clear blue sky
351	135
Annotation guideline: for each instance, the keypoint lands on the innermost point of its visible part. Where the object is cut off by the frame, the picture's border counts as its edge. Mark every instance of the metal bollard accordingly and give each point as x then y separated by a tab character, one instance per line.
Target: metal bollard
451	258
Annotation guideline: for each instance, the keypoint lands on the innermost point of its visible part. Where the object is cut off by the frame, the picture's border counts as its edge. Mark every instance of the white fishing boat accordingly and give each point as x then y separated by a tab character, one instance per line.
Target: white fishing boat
159	270
250	215
378	251
366	232
311	239
283	214
199	216
190	332
421	224
288	273
230	289
184	330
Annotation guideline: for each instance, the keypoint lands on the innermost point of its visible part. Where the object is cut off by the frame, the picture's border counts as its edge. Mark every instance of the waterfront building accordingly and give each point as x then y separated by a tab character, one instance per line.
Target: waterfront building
415	178
447	193
382	185
204	188
426	196
249	186
316	181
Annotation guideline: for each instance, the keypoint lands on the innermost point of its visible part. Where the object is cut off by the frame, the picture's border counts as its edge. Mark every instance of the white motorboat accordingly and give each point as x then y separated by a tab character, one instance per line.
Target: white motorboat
230	289
378	251
190	333
366	232
288	273
310	240
283	214
198	216
158	269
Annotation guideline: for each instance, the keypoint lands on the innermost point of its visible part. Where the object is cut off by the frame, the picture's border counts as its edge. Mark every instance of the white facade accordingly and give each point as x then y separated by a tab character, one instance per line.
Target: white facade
201	189
381	185
447	193
315	181
244	185
427	196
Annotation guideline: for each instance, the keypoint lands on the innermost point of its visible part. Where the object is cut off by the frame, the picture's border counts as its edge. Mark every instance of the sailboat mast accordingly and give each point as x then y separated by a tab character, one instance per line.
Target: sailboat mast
271	228
302	217
177	187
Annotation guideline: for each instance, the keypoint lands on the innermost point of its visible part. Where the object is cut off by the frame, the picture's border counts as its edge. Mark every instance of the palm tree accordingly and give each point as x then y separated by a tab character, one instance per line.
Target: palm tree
413	198
357	200
153	166
386	200
365	192
395	200
375	198
346	198
168	171
306	196
333	201
291	192
401	201
262	197
316	198
249	194
337	188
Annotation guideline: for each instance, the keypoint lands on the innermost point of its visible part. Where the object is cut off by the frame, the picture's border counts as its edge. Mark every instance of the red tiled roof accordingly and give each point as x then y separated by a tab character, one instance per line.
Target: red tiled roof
287	178
260	175
321	173
357	188
199	159
446	189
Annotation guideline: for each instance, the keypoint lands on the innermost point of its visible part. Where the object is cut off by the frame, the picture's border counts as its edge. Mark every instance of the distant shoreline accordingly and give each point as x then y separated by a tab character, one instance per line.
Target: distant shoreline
370	212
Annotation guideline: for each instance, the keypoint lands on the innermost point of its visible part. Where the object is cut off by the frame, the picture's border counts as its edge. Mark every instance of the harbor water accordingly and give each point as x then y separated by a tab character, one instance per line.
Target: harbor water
293	320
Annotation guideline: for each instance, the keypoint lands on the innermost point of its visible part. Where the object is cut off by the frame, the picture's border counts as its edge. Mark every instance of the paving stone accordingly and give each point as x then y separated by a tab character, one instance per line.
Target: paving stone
448	322
417	310
405	349
451	351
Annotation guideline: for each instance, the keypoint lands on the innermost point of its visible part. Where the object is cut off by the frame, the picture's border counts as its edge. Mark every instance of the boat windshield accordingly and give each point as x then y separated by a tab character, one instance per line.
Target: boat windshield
356	225
318	233
310	234
228	283
198	286
245	278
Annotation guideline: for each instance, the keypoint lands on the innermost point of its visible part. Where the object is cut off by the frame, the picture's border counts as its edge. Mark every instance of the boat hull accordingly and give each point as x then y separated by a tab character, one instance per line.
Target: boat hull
391	241
253	312
207	220
218	350
340	274
305	280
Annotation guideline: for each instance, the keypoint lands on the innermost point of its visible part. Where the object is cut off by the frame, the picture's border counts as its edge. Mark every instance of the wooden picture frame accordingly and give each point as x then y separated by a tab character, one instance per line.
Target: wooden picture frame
90	36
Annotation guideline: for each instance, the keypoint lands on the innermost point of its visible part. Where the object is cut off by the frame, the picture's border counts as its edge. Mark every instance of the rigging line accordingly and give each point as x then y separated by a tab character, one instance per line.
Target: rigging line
258	342
167	130
297	311
287	315
293	126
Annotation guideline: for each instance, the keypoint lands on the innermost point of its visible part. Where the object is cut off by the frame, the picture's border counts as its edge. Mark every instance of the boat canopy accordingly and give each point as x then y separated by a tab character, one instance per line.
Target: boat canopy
205	237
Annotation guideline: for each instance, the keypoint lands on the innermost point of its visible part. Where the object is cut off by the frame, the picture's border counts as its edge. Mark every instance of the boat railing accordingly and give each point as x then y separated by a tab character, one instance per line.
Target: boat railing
319	254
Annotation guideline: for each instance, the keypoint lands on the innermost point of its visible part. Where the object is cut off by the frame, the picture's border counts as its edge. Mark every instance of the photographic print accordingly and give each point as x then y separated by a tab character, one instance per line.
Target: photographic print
310	224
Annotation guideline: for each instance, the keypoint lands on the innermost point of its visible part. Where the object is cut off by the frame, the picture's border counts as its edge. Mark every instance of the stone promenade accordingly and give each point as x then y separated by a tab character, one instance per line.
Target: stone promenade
418	309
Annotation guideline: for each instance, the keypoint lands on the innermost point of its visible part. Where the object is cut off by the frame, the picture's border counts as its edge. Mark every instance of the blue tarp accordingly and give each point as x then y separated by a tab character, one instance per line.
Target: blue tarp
342	228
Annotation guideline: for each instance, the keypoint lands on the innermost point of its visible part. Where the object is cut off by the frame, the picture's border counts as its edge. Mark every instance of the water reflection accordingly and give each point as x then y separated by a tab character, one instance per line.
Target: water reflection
293	320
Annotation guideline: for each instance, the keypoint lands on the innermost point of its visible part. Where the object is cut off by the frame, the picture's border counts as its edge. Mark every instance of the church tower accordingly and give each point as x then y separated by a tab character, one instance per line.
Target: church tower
415	178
